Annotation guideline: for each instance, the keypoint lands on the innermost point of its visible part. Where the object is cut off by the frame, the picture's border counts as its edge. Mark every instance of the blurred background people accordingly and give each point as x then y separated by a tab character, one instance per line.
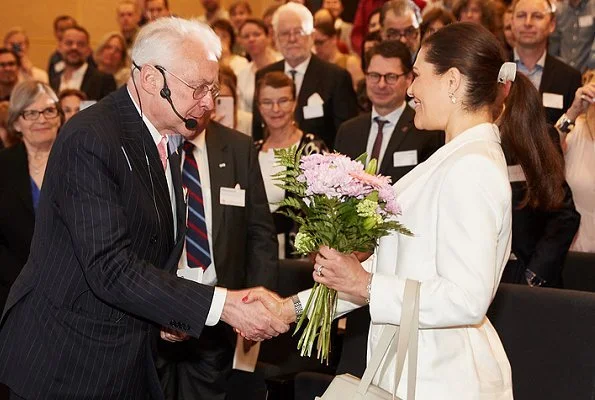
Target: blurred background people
579	145
17	40
239	12
255	38
156	9
365	21
242	120
112	58
276	100
343	28
34	118
61	23
128	16
325	44
267	18
6	140
70	102
9	72
433	20
213	11
400	20
224	30
477	11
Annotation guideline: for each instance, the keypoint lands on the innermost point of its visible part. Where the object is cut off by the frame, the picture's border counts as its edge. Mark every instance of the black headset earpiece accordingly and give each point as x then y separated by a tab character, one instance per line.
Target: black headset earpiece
165	92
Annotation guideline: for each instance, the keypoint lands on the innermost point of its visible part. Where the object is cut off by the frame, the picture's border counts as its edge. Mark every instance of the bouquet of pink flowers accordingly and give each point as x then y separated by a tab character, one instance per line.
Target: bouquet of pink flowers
340	203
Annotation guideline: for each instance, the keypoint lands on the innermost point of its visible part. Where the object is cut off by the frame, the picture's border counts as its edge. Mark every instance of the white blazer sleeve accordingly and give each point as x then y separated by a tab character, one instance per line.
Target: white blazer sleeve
473	204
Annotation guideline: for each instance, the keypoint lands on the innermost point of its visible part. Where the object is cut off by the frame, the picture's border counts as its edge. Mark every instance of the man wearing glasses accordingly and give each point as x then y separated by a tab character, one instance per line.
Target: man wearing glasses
533	21
9	72
325	92
84	317
400	20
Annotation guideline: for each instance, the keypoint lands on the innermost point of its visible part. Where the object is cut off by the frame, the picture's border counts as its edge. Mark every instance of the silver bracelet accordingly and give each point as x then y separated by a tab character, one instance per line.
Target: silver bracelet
369	288
297	306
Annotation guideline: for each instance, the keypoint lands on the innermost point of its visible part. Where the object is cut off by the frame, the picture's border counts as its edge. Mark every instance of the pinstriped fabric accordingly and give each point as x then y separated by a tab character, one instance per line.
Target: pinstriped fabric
82	318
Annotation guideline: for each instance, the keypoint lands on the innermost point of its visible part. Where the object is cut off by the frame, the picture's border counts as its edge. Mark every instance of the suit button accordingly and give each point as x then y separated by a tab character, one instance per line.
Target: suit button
154	239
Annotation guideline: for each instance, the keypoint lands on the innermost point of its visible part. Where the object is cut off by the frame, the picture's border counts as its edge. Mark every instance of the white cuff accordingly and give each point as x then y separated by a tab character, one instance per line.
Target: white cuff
216	306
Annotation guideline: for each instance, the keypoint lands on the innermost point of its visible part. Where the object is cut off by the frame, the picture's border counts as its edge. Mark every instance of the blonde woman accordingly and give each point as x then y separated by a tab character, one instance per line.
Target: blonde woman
112	58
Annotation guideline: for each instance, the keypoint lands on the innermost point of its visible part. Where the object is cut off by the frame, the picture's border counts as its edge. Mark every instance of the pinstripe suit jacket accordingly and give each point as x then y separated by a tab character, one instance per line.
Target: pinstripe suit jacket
82	318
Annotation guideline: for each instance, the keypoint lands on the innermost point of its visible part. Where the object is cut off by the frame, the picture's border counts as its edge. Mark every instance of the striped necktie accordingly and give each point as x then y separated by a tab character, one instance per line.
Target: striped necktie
197	241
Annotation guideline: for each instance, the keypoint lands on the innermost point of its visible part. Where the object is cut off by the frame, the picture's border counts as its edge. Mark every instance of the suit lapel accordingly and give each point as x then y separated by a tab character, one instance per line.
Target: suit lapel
221	167
400	133
22	180
358	140
139	148
547	78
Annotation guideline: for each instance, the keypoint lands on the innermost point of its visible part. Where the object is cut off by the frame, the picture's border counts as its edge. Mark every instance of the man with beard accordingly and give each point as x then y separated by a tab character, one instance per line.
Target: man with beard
77	73
9	72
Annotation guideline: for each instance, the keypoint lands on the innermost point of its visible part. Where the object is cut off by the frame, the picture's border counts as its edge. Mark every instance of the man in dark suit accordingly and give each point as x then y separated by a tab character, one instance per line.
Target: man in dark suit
228	167
74	72
325	92
555	80
387	134
83	318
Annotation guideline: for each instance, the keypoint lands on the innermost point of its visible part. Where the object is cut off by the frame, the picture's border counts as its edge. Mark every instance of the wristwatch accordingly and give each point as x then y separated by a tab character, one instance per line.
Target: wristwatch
564	124
297	306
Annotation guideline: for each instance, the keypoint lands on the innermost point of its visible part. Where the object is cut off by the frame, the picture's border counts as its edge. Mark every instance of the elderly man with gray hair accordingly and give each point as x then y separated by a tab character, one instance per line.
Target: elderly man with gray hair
83	318
325	96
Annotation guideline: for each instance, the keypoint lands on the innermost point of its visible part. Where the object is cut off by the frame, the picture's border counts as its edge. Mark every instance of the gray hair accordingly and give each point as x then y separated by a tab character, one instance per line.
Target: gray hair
295	8
401	8
23	95
159	40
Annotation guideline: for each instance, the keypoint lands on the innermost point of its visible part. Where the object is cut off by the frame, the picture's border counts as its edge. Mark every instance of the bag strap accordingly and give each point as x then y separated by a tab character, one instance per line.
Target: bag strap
409	323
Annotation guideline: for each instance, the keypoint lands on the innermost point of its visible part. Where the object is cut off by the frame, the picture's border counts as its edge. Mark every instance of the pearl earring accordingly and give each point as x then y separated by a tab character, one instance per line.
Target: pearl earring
453	99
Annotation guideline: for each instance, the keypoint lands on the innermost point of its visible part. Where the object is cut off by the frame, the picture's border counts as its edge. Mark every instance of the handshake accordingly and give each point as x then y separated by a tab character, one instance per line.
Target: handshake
257	313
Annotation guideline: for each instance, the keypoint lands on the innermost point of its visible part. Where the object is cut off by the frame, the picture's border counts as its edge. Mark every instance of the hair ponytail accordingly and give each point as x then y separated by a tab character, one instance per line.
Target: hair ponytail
526	141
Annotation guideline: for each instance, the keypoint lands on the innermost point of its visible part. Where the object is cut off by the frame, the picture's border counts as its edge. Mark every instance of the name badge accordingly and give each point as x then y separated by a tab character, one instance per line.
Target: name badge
553	100
516	174
313	111
585	21
191	274
404	158
233	196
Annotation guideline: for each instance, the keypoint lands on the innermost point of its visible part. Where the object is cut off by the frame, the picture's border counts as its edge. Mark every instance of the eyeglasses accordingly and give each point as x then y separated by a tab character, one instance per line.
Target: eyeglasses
33	115
395	34
284	36
8	64
284	104
200	91
389	79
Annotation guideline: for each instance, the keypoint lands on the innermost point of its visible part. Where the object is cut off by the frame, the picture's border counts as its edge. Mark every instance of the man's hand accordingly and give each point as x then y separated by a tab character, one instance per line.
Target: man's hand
171	335
280	307
252	320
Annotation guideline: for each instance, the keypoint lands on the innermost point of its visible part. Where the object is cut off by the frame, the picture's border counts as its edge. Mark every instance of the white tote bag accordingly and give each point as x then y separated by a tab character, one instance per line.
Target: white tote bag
349	387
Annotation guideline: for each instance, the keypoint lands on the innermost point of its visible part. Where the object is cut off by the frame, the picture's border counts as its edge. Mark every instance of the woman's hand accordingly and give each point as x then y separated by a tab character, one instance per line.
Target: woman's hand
342	272
278	306
583	97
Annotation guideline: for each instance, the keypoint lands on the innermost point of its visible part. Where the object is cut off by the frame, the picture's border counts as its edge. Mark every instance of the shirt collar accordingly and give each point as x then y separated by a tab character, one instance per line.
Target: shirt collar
80	72
540	62
300	68
392	117
152	130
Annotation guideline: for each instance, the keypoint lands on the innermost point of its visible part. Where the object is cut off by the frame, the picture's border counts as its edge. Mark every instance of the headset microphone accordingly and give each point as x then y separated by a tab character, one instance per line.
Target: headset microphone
189	123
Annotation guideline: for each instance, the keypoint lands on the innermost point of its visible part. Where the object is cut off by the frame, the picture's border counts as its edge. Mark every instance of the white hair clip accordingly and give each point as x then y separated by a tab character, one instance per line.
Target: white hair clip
507	72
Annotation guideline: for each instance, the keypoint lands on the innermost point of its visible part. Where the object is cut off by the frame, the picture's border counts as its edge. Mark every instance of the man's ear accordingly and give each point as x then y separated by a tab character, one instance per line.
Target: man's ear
151	80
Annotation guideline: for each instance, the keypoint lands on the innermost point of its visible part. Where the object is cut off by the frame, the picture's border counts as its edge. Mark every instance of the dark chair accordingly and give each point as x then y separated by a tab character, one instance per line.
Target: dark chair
579	271
549	337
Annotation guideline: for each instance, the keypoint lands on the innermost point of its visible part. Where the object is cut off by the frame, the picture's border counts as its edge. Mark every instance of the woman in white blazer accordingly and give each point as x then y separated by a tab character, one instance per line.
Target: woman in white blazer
458	205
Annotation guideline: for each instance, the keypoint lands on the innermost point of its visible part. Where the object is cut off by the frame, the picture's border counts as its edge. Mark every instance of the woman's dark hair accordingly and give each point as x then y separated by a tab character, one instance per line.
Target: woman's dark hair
326	28
370	37
488	17
392	49
225	25
72	92
228	78
433	15
523	127
254	21
274	79
240	3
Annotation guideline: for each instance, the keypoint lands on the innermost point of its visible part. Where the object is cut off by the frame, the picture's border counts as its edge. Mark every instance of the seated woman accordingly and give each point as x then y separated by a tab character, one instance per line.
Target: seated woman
34	117
325	44
579	146
111	57
70	101
276	97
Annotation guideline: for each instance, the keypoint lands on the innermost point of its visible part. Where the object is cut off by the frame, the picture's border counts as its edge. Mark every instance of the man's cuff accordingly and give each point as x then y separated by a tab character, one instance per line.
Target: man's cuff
216	306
